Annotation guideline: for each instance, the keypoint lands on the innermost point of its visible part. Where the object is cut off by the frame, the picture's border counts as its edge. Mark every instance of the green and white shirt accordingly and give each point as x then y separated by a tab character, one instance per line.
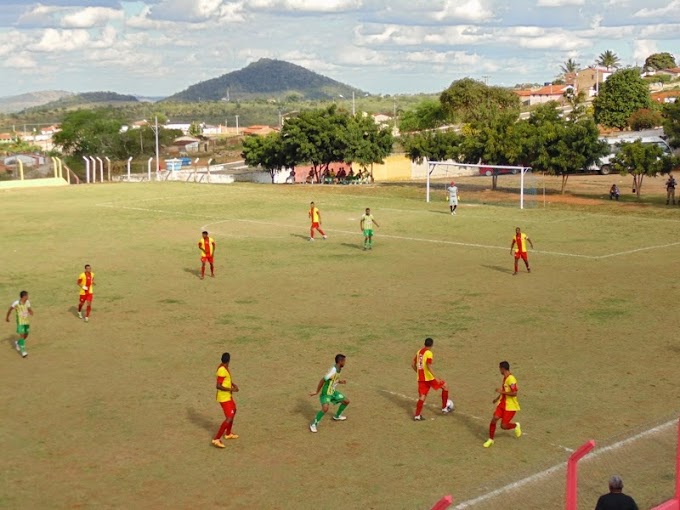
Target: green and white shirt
22	311
331	381
367	221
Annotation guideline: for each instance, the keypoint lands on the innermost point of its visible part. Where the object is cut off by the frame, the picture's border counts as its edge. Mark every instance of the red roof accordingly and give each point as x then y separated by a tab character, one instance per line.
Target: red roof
550	90
523	93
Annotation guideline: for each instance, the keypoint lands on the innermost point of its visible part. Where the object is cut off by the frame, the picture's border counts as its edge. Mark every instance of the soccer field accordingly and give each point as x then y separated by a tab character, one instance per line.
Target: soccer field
119	412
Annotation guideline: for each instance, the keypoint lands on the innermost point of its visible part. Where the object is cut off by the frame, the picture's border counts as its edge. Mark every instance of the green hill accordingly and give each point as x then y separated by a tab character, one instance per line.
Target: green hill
266	79
86	100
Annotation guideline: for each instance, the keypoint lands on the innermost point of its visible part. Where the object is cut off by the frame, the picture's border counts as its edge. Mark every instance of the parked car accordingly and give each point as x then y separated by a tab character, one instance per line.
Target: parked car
488	171
604	165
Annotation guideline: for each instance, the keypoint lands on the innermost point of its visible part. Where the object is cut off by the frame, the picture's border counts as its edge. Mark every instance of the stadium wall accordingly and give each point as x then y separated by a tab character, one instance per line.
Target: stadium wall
33	183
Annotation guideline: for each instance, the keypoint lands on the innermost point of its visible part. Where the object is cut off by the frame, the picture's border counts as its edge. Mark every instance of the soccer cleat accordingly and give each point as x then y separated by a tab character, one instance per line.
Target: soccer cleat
80	315
325	236
528	270
365	248
24	354
312	427
311	238
518	430
212	275
231	436
488	443
87	319
445	410
16	346
202	277
514	274
217	443
340	418
454	212
418	418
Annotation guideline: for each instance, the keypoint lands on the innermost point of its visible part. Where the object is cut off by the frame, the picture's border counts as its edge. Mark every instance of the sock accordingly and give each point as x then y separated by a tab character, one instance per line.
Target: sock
341	409
322	232
510	426
212	269
515	265
229	426
445	397
419	407
492	430
202	270
87	312
22	344
318	417
311	234
222	430
80	307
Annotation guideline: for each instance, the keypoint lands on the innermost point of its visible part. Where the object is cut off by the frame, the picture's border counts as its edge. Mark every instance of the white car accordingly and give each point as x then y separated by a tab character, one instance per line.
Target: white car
604	165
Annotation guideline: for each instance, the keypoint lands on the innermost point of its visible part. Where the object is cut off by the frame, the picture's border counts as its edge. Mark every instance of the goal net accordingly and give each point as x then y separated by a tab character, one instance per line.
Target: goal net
524	180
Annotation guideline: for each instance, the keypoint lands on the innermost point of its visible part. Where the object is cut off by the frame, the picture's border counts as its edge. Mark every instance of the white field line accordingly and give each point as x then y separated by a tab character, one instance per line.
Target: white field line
547	472
387	236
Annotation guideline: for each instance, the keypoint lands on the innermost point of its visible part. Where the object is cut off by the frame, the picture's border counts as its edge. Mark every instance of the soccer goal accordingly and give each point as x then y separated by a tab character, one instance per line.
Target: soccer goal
450	169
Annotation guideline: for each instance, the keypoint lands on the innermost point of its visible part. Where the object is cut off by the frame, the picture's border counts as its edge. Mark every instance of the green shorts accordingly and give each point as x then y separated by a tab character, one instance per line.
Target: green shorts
368	232
334	399
23	329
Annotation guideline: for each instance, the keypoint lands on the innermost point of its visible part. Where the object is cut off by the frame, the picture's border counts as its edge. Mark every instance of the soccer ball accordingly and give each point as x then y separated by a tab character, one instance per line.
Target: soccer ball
450	406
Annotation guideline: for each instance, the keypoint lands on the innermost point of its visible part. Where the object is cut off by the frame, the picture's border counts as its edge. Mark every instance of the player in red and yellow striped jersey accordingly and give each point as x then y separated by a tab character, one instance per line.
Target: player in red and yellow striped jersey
207	246
507	406
519	246
225	390
86	283
315	216
422	365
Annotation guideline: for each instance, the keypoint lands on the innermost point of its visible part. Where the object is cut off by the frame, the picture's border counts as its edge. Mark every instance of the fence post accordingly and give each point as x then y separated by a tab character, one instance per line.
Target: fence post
128	167
108	167
94	170
87	169
572	473
21	169
149	168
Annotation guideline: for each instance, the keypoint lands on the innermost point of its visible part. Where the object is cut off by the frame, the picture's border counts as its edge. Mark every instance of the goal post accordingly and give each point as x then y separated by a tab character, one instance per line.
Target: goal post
453	169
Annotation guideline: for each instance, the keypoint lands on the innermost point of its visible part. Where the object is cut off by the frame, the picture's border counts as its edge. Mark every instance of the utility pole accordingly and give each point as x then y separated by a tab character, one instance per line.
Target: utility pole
158	161
354	111
236	124
486	79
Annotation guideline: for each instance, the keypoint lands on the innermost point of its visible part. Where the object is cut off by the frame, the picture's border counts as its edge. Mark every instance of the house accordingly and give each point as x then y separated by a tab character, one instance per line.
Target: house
524	96
589	80
673	72
27	160
548	93
7	138
666	96
258	130
186	144
381	118
184	128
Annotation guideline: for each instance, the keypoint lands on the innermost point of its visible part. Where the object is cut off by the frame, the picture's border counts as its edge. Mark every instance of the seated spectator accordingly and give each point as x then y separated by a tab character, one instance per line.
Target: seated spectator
616	499
614	192
310	177
291	177
331	177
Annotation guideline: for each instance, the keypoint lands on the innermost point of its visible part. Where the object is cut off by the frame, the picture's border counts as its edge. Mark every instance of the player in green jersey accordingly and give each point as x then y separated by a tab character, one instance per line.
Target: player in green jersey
328	393
24	312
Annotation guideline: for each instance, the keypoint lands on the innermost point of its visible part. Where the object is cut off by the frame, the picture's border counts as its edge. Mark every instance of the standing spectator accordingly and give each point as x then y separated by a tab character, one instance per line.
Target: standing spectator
86	284
315	216
616	499
507	404
366	225
422	366
670	189
614	192
24	312
519	244
206	245
452	192
225	397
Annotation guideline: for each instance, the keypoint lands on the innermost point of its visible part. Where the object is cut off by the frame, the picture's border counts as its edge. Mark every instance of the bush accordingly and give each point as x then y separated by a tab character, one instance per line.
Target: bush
644	118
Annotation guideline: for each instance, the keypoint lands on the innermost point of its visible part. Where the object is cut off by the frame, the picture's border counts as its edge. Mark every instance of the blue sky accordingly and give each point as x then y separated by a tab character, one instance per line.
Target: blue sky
159	47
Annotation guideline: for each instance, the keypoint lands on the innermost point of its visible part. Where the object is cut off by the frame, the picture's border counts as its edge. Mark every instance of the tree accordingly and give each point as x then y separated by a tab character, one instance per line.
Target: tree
88	132
609	59
428	114
570	66
640	159
644	118
658	61
366	143
671	123
195	129
469	100
268	152
622	94
433	146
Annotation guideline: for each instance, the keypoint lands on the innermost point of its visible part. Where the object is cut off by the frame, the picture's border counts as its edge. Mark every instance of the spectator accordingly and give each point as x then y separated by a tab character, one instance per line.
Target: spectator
614	192
341	175
670	189
310	177
350	175
616	499
291	177
331	177
325	177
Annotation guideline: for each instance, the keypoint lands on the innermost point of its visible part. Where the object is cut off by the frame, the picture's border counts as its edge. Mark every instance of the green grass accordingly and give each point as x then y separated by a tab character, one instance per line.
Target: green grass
119	412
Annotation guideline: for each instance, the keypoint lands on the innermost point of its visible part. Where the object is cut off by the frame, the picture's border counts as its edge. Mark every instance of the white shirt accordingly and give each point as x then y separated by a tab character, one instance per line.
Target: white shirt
453	192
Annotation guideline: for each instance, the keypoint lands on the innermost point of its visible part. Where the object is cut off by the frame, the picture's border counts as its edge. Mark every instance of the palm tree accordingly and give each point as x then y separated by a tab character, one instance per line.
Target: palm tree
609	59
570	66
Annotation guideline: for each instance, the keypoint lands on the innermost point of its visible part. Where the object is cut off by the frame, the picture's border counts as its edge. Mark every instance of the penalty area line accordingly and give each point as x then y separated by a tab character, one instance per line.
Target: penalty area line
562	466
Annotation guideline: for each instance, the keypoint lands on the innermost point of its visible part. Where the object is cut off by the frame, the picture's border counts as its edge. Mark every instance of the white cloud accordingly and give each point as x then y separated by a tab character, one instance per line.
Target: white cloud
21	61
91	17
559	3
39	15
642	49
305	5
673	8
197	11
465	10
55	41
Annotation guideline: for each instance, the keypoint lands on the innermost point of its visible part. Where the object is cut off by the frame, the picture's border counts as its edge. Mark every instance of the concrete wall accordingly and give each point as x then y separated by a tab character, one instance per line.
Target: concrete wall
33	183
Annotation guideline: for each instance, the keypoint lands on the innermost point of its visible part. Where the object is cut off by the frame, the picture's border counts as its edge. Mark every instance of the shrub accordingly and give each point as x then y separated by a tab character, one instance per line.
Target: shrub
644	118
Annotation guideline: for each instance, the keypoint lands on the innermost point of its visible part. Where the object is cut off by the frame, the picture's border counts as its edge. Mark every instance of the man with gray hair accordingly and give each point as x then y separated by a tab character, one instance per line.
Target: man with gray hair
616	499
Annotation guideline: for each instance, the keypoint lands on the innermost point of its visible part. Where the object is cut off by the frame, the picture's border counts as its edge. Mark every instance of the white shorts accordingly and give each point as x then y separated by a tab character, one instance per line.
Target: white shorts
453	202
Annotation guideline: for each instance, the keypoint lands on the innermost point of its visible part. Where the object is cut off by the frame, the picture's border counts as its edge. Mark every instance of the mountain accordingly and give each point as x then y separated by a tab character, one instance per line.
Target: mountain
87	100
13	104
266	79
